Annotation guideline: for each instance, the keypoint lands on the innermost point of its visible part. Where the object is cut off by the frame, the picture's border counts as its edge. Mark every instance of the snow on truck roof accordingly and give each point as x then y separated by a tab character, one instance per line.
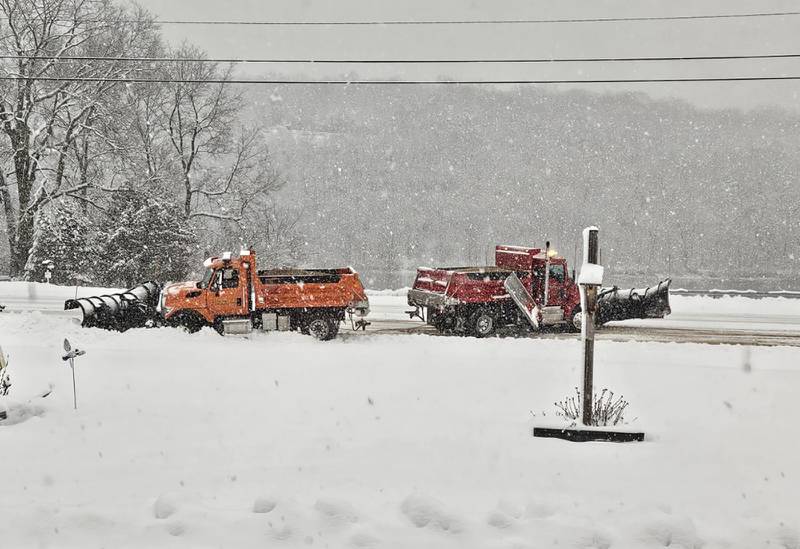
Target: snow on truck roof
517	252
289	272
510	247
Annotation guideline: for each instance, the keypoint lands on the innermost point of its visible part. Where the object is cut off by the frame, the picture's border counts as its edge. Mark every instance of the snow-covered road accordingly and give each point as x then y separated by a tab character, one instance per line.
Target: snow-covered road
735	320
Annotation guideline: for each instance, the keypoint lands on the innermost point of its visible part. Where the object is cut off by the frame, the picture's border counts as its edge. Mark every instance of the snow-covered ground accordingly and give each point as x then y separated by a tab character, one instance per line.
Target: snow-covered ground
389	441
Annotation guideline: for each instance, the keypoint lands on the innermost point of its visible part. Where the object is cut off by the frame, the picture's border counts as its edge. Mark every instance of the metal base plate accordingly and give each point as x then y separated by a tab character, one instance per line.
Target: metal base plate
587	435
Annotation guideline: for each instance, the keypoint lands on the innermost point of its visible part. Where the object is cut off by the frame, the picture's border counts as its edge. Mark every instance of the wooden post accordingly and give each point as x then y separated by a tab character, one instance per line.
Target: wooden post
590	256
74	392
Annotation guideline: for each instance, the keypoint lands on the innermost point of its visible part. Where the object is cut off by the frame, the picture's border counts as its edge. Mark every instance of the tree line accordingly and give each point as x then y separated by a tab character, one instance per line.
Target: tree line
108	180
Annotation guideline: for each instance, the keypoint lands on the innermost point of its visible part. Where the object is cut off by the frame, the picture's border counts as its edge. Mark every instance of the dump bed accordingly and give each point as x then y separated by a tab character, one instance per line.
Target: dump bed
309	288
436	287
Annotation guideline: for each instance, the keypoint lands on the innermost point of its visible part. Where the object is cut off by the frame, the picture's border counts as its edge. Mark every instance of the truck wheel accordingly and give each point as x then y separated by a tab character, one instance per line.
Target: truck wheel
189	322
482	324
575	319
322	328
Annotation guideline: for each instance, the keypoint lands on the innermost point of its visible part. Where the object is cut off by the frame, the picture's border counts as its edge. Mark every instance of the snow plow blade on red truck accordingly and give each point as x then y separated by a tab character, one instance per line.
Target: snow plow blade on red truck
235	297
526	287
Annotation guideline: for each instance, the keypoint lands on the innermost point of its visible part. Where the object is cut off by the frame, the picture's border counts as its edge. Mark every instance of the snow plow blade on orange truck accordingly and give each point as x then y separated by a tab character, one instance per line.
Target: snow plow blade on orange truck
234	297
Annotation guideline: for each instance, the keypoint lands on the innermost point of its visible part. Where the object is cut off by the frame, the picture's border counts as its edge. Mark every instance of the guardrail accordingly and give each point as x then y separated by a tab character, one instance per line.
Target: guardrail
752	294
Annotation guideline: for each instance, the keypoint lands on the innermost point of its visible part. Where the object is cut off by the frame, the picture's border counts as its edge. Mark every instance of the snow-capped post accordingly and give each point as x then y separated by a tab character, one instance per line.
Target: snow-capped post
590	279
70	355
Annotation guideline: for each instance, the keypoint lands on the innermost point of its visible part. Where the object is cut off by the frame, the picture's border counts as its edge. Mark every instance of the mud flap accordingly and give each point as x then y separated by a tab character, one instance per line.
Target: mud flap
133	308
650	302
523	299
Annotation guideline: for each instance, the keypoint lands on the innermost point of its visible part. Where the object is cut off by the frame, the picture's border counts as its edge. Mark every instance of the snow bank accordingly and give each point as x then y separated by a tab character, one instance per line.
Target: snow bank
390	441
742	306
41	296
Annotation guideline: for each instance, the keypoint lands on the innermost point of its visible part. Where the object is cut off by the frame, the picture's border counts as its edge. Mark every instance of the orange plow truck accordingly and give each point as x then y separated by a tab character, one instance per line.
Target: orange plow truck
234	296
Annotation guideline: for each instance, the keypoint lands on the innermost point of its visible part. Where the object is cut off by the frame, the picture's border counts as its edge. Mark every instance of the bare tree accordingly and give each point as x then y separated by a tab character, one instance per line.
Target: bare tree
222	167
274	233
54	91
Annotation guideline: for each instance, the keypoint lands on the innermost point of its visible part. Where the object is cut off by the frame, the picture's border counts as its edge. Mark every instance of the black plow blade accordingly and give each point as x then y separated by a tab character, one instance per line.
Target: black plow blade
650	302
133	308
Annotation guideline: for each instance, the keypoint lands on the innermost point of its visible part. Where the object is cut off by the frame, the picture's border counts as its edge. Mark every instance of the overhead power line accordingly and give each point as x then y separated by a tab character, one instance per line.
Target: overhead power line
136	80
389	22
480	21
312	61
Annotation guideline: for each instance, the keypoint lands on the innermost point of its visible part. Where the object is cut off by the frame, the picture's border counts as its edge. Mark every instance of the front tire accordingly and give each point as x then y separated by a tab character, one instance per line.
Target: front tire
575	320
189	322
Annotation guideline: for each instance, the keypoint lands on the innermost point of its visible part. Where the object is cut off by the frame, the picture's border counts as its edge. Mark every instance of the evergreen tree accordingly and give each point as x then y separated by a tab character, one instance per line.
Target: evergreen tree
60	239
143	238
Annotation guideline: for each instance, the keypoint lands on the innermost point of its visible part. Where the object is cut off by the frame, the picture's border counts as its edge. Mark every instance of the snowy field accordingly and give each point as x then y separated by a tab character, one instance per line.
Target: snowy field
389	441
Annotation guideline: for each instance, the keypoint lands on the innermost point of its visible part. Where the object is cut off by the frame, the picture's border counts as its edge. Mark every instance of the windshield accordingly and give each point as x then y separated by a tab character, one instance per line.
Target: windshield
206	278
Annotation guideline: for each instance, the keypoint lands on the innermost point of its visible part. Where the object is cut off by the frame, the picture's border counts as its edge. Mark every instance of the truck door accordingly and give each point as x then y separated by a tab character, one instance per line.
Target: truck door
227	296
557	285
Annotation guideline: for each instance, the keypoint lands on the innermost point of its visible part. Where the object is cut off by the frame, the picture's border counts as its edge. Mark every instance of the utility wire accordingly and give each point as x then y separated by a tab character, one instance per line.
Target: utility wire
453	21
312	61
478	21
136	80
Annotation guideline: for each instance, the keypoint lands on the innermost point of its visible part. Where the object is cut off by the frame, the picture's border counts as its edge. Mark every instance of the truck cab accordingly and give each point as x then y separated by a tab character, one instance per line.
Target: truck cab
221	292
545	276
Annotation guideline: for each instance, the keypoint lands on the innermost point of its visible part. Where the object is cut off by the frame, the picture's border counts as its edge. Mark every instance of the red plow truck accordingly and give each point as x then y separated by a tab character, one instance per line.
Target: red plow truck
233	296
528	288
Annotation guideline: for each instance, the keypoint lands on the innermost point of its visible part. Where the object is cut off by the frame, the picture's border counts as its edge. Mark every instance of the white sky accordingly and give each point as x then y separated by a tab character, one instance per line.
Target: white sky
625	39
